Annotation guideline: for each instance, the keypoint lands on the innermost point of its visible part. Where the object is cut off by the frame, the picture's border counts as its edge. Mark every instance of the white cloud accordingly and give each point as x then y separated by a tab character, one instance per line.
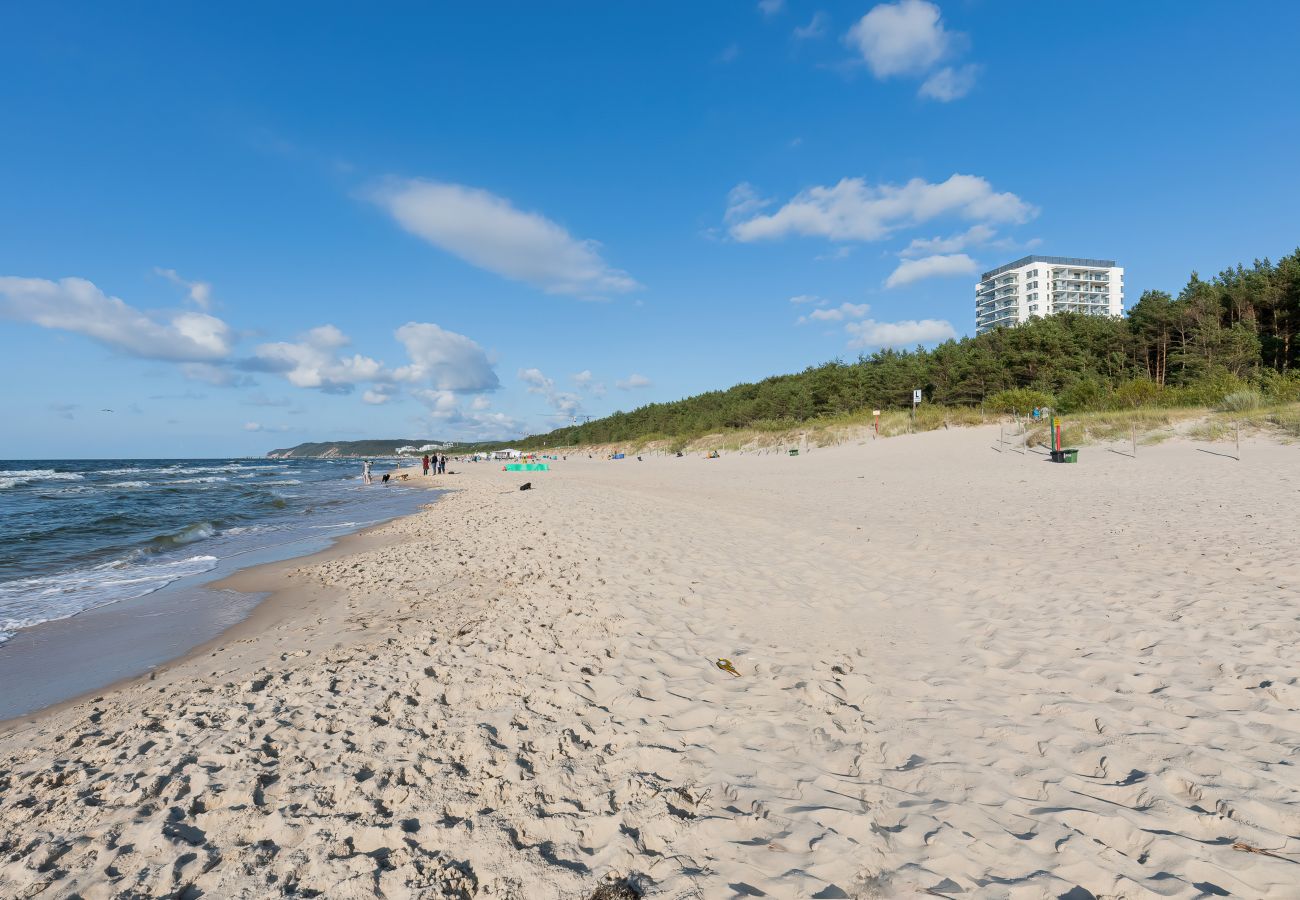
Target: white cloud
489	232
200	292
836	313
563	402
536	381
770	7
805	299
903	38
910	270
950	84
445	359
909	38
442	404
814	29
258	426
854	210
872	334
378	395
445	413
743	202
313	362
587	383
632	382
78	306
975	236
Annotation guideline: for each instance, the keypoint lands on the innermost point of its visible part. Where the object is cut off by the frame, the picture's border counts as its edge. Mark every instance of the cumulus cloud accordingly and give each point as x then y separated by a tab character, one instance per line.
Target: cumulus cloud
378	395
633	382
479	422
854	210
565	403
950	83
903	38
537	382
489	232
587	383
78	306
870	334
805	299
200	292
814	29
909	38
446	360
836	313
975	236
314	362
910	270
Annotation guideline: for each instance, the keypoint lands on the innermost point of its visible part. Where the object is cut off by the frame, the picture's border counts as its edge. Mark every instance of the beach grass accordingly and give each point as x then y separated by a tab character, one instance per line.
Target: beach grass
1150	424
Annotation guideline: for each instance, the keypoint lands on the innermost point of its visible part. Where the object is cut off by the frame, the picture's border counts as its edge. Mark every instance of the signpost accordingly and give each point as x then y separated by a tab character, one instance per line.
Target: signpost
876	413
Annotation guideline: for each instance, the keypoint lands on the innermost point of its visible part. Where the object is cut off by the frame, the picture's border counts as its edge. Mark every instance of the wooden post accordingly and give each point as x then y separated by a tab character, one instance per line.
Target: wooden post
1238	441
1133	427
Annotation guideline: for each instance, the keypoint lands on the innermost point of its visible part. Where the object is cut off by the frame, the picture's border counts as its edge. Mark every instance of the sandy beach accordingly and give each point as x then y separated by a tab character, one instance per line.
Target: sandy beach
959	673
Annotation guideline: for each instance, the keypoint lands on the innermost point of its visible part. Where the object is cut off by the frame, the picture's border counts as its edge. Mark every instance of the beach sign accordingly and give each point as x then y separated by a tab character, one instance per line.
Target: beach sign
916	397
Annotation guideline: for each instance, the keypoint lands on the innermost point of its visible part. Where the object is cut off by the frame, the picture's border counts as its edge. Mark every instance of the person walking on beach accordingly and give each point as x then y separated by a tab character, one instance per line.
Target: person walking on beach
442	465
365	472
426	464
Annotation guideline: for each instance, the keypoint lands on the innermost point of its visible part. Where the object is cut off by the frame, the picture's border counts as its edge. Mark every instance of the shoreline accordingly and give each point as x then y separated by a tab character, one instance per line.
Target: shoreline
246	602
953	668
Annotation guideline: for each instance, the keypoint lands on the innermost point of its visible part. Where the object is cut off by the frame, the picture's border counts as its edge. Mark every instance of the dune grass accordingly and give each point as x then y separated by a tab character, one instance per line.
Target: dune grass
1152	425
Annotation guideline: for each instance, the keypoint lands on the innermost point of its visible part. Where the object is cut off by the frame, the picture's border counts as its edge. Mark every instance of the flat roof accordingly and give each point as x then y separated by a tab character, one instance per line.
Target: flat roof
1052	261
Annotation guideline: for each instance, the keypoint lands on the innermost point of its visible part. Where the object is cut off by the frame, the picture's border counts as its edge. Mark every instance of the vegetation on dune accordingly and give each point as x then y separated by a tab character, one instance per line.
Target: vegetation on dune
1232	342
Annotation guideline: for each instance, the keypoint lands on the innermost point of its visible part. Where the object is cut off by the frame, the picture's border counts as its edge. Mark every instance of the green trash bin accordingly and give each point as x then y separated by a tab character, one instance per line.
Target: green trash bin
1071	456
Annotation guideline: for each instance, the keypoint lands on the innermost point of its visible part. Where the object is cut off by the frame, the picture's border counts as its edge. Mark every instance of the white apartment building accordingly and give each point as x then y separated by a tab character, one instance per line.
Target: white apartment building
1042	285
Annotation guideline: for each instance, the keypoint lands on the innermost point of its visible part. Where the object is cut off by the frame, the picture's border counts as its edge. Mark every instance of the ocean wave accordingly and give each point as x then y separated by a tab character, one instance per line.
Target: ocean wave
30	601
128	484
128	471
284	481
14	477
211	479
199	531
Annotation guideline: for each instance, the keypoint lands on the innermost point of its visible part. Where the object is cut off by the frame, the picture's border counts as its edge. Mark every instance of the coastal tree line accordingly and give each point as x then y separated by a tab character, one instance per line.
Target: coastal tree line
1236	333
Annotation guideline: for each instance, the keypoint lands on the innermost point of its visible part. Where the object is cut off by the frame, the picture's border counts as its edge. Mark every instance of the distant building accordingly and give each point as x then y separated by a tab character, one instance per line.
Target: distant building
1042	285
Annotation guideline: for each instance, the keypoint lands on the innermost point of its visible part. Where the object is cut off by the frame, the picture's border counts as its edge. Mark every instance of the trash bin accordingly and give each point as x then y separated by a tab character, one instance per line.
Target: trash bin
794	452
1070	456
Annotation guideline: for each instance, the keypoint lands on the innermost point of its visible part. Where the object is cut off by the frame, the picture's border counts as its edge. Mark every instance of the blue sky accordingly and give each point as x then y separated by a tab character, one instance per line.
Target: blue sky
242	226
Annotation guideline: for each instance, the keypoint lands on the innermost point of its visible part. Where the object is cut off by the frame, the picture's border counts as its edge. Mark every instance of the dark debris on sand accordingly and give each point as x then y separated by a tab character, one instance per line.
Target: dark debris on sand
616	890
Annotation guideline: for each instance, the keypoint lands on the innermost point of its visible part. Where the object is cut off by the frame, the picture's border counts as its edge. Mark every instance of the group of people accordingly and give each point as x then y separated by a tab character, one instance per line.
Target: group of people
436	462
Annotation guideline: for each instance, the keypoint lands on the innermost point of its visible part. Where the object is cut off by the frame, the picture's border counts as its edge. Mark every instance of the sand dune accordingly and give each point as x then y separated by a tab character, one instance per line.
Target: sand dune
962	672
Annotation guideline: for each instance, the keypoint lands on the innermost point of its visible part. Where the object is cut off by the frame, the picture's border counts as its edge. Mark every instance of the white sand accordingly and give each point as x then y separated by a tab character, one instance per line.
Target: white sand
975	674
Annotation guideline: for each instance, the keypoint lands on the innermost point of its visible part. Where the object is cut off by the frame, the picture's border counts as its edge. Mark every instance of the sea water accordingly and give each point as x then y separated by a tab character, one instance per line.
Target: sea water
76	535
